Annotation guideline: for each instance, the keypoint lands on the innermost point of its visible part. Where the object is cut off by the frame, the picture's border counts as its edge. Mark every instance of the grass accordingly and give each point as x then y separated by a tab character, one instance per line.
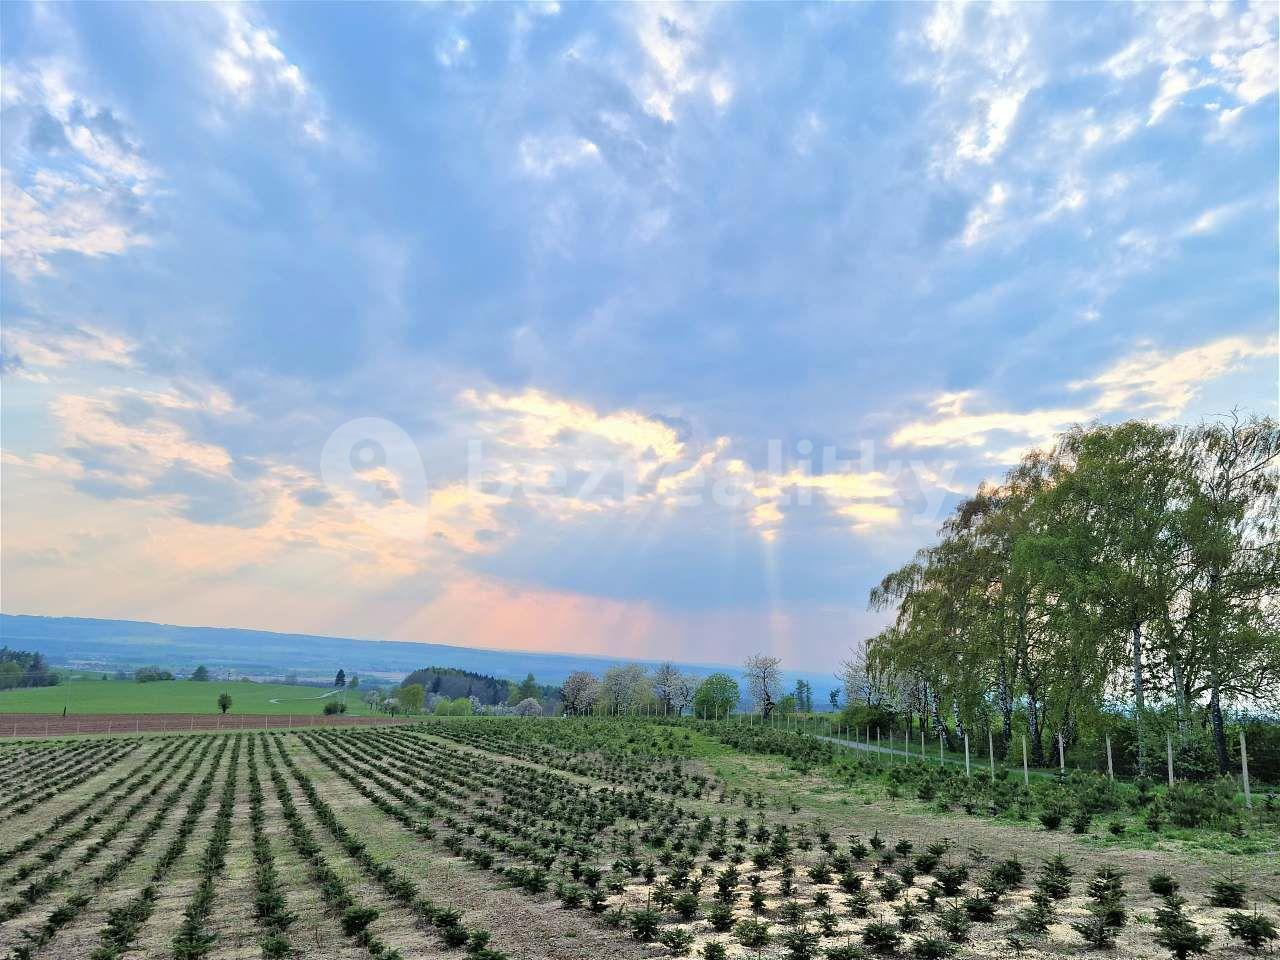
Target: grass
88	697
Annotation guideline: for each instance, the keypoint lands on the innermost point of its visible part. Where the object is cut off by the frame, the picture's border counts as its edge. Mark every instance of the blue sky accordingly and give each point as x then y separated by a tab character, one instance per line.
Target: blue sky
666	330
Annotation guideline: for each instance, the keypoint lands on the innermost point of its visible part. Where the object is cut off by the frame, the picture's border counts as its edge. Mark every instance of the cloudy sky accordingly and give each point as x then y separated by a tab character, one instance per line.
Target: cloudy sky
640	330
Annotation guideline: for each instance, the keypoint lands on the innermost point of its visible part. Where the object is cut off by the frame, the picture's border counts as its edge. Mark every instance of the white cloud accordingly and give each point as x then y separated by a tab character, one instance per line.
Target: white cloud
1213	219
74	181
453	50
984	216
984	138
59	349
1148	383
544	157
677	64
1195	45
255	72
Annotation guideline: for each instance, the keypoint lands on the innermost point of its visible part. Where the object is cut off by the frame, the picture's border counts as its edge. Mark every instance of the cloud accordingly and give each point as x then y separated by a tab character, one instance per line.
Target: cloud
74	346
1194	46
254	72
677	65
453	50
1149	383
984	216
74	180
544	157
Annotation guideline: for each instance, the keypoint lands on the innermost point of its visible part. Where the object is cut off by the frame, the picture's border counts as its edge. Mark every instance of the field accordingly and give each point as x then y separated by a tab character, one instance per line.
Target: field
82	697
572	839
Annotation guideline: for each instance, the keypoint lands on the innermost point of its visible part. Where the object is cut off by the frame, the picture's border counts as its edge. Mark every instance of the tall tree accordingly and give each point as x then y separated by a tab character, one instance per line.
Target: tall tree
763	678
672	688
1237	552
579	693
716	696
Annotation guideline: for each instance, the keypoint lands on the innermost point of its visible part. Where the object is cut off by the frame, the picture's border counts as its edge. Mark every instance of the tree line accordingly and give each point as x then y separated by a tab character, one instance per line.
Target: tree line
24	668
1124	582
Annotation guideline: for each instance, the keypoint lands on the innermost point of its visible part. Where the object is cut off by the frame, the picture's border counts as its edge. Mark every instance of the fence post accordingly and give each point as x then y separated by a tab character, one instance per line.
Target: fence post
922	743
1244	773
1026	777
1168	740
966	754
1062	754
941	760
991	754
1111	772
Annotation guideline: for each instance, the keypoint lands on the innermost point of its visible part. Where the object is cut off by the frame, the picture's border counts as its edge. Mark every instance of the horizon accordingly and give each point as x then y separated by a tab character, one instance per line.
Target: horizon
635	332
805	669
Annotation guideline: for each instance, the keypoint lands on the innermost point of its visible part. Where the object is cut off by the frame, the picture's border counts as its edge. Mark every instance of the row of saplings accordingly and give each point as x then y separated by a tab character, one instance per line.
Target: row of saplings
356	918
75	904
956	911
636	755
1073	799
679	893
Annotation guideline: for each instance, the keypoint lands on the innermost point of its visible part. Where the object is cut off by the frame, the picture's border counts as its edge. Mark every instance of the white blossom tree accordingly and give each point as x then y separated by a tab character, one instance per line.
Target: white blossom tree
528	707
764	680
580	692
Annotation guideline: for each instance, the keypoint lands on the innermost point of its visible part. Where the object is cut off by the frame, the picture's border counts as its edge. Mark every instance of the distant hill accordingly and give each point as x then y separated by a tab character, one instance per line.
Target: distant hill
93	644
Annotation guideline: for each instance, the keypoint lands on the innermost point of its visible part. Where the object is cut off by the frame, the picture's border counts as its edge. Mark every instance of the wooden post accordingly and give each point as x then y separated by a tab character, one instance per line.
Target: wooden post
991	754
1111	770
922	743
1062	755
941	760
966	754
1026	777
1244	773
1168	741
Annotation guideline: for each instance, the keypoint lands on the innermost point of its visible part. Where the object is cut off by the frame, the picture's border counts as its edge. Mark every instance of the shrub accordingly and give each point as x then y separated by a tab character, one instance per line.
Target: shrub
882	938
955	923
931	948
679	942
1227	892
1162	885
1095	929
644	925
356	919
1253	929
1055	878
753	934
1180	937
801	944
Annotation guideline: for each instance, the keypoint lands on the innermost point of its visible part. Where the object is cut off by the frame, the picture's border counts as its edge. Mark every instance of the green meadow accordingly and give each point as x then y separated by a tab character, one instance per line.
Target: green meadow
172	696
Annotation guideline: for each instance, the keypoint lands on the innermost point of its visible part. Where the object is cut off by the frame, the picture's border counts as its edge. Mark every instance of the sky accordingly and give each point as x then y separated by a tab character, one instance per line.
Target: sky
653	331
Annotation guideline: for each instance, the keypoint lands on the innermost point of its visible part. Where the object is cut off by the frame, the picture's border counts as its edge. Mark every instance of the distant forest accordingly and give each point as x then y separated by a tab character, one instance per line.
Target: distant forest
453	683
24	668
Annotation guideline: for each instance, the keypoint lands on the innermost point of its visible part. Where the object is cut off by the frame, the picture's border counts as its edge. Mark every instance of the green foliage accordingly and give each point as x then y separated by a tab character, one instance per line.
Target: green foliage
151	674
716	696
1254	930
411	697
